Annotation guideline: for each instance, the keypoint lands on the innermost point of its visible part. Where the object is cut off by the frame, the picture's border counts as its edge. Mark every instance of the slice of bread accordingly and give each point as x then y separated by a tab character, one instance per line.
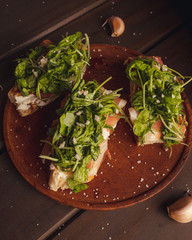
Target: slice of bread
58	178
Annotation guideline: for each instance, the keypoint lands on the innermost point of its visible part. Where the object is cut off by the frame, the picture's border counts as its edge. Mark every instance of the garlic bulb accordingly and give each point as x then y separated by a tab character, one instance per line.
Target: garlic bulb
117	26
181	210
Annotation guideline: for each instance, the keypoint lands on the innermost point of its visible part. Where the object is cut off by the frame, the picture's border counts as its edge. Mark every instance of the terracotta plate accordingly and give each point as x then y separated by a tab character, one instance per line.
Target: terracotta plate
132	175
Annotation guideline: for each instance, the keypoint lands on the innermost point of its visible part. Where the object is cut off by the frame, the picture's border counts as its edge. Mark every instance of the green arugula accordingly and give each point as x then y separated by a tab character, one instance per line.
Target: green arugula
53	69
159	98
80	129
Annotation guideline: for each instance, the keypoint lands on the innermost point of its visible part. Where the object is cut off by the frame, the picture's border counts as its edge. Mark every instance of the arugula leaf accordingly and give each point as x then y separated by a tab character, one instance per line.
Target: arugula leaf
76	186
143	123
69	119
81	174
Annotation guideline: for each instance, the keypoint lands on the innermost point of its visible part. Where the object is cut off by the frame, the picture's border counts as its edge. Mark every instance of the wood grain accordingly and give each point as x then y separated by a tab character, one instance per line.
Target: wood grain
34	20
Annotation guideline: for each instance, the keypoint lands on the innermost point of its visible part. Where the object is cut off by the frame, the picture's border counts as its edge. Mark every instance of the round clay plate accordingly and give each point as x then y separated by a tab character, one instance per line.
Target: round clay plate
132	175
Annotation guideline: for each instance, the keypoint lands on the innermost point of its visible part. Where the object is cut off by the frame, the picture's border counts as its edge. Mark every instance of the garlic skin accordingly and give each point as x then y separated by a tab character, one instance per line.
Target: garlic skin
117	26
181	210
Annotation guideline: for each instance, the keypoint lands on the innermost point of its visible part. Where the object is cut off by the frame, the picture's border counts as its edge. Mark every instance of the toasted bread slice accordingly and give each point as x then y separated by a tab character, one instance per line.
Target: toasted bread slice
58	178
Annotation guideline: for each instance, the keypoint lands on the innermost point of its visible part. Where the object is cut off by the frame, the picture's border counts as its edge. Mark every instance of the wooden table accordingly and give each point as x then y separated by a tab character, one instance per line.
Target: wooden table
161	28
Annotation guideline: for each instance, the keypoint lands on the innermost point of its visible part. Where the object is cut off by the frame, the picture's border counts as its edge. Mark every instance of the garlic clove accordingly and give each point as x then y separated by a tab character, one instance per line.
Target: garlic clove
181	210
46	43
117	26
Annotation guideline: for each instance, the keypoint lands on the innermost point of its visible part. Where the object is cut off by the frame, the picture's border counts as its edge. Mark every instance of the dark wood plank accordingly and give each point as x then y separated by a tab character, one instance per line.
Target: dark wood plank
24	22
147	220
146	22
25	213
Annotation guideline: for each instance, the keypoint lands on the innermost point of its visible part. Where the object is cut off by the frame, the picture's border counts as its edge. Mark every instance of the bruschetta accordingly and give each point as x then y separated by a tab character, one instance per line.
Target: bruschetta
48	71
80	140
157	113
